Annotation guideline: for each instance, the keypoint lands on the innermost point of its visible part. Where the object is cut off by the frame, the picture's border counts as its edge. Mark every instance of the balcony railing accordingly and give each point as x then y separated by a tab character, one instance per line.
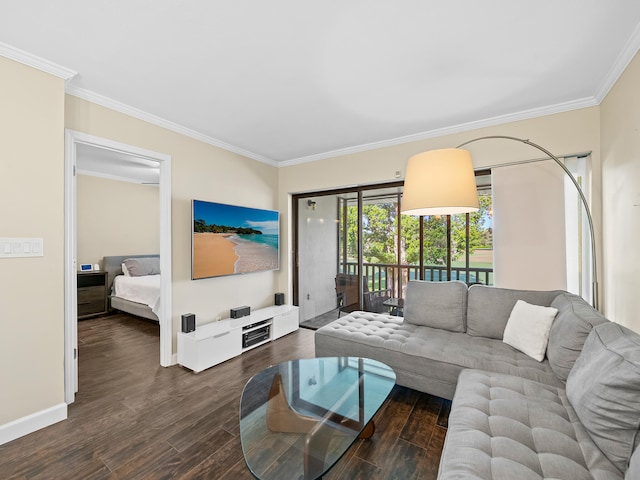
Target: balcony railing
393	278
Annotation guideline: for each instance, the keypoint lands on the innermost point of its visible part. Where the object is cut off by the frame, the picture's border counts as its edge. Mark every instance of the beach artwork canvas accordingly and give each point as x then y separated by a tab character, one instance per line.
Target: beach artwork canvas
229	239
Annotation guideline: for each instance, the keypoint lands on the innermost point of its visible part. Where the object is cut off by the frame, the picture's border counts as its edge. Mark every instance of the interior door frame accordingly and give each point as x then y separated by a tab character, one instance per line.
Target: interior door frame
72	139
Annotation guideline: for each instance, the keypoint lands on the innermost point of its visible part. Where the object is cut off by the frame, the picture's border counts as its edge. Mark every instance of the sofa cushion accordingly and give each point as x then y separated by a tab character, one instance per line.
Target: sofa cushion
569	331
503	426
424	358
489	308
528	328
604	389
437	304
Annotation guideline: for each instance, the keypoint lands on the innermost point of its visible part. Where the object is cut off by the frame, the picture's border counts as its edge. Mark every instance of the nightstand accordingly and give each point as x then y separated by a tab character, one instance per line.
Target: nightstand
92	294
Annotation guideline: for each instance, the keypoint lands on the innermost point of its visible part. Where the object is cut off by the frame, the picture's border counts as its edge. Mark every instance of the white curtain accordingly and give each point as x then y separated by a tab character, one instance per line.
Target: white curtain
529	235
579	259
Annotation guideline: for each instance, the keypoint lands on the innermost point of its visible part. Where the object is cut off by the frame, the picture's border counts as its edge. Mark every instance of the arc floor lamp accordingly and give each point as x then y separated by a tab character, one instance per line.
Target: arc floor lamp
442	182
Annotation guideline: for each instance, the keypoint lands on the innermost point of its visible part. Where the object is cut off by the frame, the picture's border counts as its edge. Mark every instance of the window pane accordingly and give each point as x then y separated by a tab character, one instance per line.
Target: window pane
348	281
410	247
477	266
348	235
481	250
435	248
379	232
379	248
459	247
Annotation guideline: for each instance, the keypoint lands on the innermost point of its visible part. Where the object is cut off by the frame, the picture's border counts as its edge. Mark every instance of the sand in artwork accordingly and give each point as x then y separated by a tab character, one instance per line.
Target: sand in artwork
207	265
254	256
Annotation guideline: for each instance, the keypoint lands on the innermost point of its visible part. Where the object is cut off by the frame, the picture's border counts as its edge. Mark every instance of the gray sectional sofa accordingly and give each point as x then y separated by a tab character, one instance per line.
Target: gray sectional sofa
573	415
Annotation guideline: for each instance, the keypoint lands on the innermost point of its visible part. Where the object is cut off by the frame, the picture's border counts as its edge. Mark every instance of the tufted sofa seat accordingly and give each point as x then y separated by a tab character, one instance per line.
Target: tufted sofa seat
512	428
575	414
425	358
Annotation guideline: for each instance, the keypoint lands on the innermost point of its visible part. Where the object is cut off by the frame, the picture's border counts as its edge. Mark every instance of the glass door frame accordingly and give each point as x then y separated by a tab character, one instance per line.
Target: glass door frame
295	200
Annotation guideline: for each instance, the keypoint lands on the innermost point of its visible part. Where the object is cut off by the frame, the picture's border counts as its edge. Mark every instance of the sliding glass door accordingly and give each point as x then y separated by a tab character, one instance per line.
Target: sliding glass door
354	250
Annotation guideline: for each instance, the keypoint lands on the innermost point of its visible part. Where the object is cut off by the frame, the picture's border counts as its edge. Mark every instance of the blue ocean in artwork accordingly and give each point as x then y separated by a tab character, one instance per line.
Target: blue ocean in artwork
264	239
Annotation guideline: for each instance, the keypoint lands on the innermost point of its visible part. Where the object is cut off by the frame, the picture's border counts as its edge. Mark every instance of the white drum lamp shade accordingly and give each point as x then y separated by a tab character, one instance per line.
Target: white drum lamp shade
440	182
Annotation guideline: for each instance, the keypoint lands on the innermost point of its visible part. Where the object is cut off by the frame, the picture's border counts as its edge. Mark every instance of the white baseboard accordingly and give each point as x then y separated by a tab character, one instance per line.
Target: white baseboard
25	425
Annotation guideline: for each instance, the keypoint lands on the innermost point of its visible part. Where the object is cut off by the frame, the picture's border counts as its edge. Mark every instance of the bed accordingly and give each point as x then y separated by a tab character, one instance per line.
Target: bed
137	294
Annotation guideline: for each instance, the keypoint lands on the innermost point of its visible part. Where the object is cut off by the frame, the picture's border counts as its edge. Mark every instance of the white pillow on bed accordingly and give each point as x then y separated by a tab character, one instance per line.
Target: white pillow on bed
125	271
141	267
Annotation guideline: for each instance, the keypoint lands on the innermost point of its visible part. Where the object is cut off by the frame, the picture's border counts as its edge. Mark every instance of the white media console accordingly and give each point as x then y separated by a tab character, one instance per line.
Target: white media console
215	342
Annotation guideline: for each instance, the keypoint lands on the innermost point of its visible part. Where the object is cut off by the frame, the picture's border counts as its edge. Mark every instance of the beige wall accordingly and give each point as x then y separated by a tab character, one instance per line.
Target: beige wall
116	218
31	205
564	133
621	197
531	256
199	171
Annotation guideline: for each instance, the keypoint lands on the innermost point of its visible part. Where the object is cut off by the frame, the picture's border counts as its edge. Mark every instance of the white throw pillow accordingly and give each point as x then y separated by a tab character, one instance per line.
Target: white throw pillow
528	328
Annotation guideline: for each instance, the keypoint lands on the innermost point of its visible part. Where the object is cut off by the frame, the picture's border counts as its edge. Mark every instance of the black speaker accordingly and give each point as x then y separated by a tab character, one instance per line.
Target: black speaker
279	299
240	312
188	322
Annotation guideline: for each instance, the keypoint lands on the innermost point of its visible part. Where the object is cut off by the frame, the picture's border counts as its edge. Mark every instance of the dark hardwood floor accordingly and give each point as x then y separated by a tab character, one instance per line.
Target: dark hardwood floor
133	419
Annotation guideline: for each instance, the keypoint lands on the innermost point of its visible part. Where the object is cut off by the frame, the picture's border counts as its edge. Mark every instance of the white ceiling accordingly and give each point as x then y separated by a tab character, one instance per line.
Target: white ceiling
287	81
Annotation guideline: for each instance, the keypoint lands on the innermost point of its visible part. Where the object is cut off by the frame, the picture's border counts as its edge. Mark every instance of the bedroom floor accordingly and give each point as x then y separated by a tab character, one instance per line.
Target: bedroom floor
133	419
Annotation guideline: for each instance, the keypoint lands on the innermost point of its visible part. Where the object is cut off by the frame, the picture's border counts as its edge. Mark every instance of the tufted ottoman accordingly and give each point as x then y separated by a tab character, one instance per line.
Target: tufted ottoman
424	358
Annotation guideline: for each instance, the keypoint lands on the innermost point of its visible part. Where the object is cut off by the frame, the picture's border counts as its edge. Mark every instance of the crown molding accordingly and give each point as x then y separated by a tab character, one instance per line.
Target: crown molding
34	61
624	58
440	132
161	122
622	61
489	122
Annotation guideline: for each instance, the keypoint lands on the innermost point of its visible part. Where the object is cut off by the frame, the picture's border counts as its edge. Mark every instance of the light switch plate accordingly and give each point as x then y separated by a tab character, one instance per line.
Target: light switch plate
21	247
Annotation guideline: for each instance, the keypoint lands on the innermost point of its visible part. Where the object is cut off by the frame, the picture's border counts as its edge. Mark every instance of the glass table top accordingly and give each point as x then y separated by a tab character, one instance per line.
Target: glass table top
298	418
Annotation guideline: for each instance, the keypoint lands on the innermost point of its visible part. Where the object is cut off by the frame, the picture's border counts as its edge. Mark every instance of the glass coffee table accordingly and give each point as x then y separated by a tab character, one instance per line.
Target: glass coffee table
298	418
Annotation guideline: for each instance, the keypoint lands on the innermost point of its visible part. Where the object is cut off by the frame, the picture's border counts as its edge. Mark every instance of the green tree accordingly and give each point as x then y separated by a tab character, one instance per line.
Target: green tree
352	232
380	230
477	233
410	241
435	240
379	235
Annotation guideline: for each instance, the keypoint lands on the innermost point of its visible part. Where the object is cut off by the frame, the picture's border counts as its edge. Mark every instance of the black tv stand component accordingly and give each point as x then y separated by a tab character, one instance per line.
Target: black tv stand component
254	325
256	336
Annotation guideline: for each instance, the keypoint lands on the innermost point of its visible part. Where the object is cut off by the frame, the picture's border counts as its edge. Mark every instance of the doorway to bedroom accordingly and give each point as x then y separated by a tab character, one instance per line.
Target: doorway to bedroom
117	202
117	218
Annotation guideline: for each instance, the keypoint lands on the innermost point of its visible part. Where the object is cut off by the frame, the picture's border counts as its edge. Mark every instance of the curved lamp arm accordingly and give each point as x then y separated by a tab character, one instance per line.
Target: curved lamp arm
580	192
